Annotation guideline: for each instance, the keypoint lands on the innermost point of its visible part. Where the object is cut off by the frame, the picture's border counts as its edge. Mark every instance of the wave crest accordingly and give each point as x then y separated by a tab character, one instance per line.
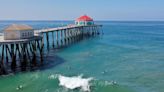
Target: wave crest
75	82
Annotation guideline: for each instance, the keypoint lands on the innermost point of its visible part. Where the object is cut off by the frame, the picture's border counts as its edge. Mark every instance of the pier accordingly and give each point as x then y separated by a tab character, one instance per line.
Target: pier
63	35
25	52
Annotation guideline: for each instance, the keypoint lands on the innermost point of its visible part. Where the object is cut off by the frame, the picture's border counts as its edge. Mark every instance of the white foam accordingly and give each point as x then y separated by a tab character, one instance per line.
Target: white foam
51	77
75	82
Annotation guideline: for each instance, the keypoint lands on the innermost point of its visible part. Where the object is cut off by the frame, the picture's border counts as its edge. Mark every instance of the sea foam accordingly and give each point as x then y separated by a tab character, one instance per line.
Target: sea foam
75	82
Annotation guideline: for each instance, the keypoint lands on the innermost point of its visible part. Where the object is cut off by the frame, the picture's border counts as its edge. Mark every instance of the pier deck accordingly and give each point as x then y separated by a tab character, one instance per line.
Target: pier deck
63	28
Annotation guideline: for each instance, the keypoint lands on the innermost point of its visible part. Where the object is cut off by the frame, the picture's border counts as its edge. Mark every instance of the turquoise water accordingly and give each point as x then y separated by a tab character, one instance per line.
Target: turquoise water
129	53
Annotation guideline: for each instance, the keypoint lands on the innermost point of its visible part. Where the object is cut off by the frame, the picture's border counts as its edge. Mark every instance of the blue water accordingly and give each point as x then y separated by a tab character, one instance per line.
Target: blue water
130	53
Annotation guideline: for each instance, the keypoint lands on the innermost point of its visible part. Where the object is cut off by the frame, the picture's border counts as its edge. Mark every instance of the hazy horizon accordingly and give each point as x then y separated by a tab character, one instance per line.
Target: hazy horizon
96	20
111	10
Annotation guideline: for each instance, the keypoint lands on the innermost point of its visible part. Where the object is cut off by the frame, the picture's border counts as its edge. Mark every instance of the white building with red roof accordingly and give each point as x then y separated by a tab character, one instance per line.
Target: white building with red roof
84	21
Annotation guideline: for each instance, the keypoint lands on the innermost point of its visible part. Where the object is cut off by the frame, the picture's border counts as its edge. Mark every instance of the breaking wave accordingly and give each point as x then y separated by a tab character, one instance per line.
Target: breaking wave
75	82
82	84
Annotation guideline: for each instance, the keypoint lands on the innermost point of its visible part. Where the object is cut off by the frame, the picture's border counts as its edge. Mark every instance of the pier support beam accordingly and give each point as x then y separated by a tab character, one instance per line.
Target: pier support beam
13	63
65	37
53	43
61	37
47	36
57	43
7	58
2	68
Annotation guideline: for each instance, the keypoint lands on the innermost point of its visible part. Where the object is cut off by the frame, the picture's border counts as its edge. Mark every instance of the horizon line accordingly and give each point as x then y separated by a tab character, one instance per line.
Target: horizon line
74	20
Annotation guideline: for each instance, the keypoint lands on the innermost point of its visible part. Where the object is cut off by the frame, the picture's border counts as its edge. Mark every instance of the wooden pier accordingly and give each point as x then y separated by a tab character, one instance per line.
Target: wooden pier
23	52
68	33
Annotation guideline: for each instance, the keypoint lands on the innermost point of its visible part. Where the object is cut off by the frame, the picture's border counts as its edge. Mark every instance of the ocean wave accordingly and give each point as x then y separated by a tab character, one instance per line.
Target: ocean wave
75	82
79	82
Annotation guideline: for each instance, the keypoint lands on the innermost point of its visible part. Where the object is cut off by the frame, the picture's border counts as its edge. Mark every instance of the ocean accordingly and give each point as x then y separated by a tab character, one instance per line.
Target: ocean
128	57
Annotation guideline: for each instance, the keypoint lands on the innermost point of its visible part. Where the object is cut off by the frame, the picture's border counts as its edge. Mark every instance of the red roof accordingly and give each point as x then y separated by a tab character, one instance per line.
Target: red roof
84	18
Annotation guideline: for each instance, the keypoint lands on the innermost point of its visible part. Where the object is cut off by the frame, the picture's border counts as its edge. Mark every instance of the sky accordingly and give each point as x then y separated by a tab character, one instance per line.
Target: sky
152	10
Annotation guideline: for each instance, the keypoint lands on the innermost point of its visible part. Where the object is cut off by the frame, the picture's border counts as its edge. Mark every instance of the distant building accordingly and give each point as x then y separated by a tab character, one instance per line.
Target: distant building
84	21
16	32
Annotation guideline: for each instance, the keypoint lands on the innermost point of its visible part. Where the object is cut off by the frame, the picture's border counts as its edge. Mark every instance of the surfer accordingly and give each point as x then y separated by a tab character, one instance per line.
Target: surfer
19	87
